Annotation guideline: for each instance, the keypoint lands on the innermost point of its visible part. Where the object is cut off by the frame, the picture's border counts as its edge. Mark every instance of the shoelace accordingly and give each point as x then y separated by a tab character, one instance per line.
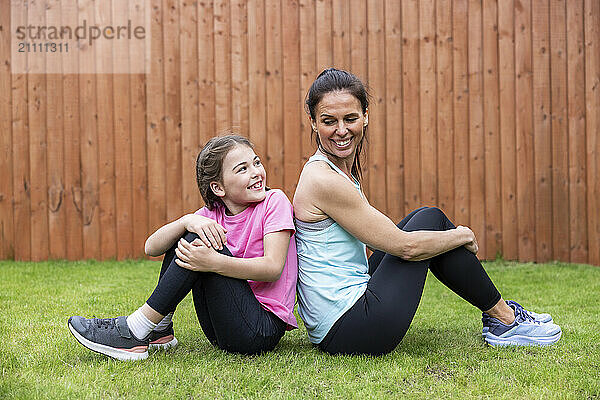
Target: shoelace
106	323
522	314
527	312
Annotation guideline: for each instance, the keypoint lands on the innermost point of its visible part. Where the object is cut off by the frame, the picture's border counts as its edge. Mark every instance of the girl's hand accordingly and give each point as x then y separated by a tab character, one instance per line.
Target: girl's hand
210	232
195	256
472	245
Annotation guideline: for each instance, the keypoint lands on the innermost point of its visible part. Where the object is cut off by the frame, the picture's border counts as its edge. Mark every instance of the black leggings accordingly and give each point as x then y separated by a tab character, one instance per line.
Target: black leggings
229	314
379	319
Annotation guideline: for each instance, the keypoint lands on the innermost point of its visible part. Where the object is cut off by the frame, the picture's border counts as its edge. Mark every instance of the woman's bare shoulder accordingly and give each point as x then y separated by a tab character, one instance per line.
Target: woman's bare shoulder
314	179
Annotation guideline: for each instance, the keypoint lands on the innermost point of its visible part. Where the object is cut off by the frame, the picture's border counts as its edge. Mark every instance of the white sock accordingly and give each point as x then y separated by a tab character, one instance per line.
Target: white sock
139	324
162	325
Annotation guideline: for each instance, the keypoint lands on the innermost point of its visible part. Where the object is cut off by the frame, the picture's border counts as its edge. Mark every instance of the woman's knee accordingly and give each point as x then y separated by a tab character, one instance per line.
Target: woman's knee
428	218
439	217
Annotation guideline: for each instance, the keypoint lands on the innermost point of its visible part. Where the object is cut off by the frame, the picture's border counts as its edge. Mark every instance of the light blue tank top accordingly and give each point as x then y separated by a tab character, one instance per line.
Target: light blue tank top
332	270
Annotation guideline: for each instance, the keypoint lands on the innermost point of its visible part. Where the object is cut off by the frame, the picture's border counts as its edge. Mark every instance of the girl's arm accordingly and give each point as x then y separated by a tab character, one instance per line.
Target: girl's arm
210	232
337	198
197	257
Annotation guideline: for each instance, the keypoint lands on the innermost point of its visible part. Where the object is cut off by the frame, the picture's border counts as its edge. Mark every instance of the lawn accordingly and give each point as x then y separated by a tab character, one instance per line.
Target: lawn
442	356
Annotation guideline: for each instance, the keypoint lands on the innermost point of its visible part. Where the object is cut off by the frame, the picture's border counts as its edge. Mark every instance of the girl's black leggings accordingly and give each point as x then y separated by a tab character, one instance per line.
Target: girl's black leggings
380	318
229	314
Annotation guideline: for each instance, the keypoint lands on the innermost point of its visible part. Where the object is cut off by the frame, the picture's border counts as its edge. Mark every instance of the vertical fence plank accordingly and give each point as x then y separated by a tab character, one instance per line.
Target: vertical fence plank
274	86
461	112
222	65
139	160
592	128
37	111
239	66
155	124
172	93
341	37
560	139
7	239
358	39
291	85
542	134
122	152
189	85
256	76
394	165
55	159
20	142
476	134
106	139
506	76
576	126
206	72
89	143
445	128
411	108
308	59
524	132
323	13
493	206
358	59
72	200
376	64
428	106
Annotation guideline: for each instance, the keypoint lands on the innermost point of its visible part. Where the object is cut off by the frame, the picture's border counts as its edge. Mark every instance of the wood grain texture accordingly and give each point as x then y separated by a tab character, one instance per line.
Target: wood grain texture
506	75
486	109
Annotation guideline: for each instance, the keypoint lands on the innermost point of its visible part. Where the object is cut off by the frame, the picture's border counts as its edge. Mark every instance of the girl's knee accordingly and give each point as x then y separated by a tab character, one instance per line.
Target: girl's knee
249	344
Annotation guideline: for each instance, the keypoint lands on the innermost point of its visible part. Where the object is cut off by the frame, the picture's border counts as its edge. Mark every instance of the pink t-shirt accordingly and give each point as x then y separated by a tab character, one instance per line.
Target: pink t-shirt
245	233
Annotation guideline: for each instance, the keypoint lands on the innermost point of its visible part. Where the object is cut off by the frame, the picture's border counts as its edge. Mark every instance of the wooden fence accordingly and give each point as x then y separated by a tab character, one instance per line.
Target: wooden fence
487	109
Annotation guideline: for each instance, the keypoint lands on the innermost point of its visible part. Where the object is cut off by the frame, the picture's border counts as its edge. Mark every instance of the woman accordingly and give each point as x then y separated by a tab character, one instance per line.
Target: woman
351	304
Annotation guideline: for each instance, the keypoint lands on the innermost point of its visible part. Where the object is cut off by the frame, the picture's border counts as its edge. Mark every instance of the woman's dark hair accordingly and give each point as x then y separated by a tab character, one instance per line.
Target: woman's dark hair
209	165
333	80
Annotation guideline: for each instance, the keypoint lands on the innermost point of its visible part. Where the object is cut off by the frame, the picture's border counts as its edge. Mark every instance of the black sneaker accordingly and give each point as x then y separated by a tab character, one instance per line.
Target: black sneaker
164	339
109	336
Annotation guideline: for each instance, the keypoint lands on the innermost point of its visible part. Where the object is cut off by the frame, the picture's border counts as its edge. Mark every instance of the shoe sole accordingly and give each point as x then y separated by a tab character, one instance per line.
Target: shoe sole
119	354
518	340
486	329
164	346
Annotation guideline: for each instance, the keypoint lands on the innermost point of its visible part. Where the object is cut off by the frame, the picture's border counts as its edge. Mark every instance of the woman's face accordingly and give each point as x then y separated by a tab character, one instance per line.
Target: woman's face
340	123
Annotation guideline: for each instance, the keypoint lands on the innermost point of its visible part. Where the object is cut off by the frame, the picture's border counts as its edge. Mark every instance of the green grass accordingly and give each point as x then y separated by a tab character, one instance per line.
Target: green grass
442	355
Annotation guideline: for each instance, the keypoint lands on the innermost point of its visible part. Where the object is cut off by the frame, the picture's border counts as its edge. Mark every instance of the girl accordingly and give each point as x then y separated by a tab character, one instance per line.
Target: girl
237	255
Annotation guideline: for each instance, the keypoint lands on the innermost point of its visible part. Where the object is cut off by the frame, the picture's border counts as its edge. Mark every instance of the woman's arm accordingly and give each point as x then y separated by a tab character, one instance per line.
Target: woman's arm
210	232
337	198
197	257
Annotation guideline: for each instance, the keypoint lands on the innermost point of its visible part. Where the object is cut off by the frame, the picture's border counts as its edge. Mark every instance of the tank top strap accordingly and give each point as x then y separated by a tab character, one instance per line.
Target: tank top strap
320	157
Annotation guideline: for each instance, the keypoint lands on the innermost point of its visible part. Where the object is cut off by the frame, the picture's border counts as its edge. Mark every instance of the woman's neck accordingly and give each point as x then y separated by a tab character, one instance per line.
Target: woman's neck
344	164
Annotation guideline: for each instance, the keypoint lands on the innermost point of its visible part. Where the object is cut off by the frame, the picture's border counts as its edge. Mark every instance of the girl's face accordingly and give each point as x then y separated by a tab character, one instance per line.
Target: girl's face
340	123
244	179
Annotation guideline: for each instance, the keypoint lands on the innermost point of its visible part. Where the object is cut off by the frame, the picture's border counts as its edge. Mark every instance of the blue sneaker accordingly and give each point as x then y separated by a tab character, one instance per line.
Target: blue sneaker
540	317
524	331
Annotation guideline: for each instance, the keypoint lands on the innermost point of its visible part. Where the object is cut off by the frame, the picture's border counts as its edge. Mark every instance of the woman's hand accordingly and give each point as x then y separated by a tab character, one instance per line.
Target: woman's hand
210	232
472	245
195	256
